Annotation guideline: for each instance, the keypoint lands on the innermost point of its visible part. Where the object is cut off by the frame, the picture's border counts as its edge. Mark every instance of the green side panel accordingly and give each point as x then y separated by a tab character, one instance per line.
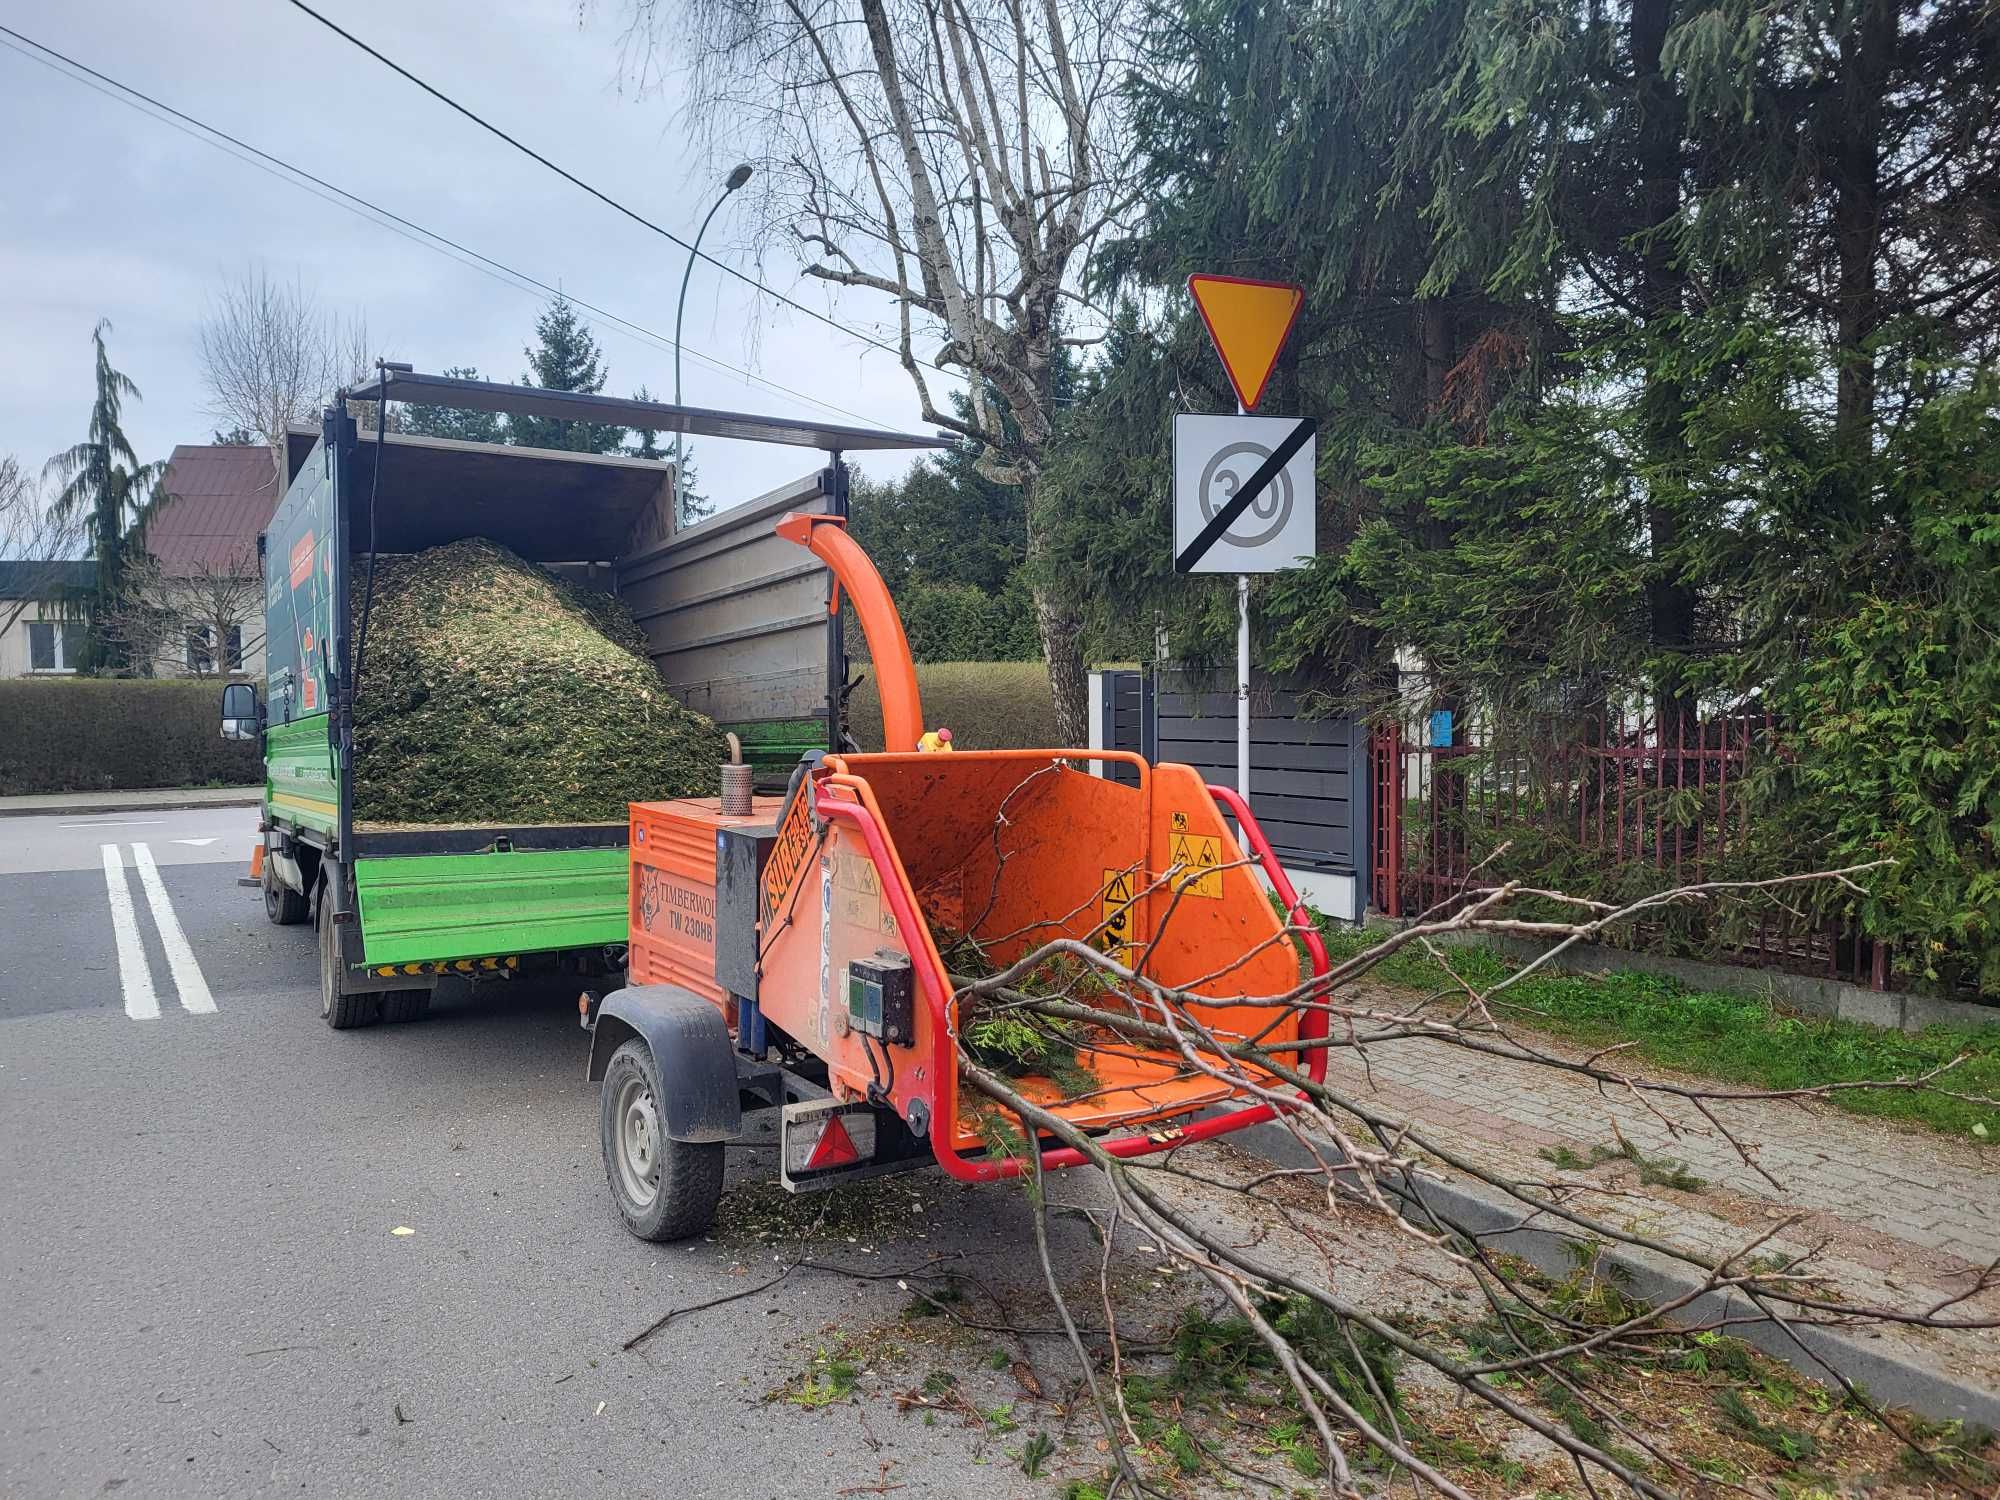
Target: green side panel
301	783
777	744
431	907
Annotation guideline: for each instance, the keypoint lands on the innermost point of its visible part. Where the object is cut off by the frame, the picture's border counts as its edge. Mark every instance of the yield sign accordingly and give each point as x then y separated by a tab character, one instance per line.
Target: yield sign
1249	322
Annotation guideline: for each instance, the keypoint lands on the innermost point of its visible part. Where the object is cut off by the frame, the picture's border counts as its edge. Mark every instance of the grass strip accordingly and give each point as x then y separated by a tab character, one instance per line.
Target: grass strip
1735	1038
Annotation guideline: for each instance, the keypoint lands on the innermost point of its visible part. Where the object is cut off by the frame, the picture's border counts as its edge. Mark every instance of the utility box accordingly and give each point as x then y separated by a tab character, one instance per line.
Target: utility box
740	853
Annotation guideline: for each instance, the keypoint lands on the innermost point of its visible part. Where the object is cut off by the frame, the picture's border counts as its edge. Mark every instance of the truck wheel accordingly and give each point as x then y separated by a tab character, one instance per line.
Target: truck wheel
339	1009
404	1005
283	905
665	1189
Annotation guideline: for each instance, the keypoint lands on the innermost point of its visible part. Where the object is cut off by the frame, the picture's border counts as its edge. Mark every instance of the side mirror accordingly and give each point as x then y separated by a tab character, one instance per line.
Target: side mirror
242	715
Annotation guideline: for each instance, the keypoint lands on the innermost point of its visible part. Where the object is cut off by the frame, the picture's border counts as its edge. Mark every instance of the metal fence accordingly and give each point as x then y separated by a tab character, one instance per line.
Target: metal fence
1618	802
1309	770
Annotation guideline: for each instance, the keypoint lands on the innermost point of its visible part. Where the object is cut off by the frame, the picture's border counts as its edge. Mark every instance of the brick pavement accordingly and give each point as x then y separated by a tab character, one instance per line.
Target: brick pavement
1897	1208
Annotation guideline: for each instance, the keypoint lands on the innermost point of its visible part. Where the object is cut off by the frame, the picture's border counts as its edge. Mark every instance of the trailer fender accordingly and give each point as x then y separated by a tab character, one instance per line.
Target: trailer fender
691	1049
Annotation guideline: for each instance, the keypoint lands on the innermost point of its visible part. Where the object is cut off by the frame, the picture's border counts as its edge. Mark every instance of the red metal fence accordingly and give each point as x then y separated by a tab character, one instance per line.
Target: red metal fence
1615	803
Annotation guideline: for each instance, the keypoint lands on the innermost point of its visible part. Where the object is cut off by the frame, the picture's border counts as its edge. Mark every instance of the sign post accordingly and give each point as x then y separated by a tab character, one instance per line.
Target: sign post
1243	485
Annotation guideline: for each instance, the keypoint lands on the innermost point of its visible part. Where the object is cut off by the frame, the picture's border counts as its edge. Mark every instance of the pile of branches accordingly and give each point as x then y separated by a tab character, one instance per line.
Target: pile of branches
1366	1157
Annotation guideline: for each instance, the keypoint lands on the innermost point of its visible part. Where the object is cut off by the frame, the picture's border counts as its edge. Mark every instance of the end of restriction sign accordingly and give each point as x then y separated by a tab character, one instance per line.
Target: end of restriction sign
1245	499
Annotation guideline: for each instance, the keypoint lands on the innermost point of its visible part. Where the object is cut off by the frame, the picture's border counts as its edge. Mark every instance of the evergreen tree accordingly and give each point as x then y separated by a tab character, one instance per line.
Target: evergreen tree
236	437
102	480
690	504
1653	344
565	357
464	426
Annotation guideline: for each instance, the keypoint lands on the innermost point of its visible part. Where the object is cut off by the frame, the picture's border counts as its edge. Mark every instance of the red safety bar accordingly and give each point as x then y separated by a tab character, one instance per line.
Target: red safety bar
832	802
1316	1022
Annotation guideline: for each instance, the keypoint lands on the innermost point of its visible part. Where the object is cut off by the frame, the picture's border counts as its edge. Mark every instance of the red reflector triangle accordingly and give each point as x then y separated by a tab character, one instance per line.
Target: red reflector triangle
835	1148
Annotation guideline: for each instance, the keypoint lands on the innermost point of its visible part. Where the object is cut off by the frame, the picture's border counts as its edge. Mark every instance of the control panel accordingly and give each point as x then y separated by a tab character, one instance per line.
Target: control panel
881	998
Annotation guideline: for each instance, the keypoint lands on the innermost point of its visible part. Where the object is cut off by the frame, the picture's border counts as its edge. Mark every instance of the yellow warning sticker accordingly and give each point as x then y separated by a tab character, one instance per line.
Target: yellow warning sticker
1113	937
1180	822
857	892
1199	852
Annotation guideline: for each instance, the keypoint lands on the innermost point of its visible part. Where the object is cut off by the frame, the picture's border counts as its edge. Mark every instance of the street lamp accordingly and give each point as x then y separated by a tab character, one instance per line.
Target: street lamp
737	177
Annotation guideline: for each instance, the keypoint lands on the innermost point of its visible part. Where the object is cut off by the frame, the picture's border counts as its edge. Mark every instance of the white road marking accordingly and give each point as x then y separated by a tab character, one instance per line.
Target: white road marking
116	823
197	843
188	979
141	1004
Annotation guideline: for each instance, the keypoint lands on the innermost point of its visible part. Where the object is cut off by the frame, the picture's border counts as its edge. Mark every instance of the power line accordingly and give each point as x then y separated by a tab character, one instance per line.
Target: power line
603	197
340	197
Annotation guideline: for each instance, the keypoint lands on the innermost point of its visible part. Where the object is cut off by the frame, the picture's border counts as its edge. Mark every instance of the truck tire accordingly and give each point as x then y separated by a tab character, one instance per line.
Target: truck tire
339	1009
664	1189
404	1005
283	905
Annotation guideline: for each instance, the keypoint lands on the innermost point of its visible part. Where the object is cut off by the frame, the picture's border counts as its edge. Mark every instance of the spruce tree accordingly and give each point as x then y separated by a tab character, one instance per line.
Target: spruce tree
690	504
565	357
452	422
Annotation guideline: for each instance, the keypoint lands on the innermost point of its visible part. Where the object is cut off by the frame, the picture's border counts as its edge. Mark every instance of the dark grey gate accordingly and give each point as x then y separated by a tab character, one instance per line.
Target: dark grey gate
1308	775
1128	720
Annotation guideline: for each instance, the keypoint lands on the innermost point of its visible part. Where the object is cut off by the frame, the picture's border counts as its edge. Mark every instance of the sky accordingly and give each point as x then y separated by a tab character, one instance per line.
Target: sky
106	212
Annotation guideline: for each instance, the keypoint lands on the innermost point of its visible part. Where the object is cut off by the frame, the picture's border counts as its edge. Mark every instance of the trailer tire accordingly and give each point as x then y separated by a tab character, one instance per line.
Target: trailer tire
283	905
340	1009
665	1189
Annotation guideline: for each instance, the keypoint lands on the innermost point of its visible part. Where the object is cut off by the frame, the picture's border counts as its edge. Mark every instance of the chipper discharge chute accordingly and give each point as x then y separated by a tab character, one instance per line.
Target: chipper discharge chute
811	954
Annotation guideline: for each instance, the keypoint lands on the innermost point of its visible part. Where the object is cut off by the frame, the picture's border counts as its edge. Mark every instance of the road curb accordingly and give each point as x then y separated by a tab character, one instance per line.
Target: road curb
133	802
1502	1223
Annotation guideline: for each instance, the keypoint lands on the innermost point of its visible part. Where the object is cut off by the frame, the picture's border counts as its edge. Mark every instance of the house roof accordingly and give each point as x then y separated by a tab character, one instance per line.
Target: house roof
219	497
44	580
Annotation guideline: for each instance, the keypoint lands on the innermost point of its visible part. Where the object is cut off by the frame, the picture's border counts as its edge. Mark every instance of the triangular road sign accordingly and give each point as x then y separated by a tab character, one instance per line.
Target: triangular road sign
1249	322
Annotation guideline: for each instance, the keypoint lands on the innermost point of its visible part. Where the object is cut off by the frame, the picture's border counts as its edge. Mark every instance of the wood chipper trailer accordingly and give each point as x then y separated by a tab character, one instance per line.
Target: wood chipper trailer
786	953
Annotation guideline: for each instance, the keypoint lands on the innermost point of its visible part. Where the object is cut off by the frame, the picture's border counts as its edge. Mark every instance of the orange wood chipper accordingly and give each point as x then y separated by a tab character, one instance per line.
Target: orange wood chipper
788	953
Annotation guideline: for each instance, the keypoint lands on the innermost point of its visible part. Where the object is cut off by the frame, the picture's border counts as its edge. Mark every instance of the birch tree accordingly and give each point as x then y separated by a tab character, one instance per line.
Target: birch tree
272	355
959	158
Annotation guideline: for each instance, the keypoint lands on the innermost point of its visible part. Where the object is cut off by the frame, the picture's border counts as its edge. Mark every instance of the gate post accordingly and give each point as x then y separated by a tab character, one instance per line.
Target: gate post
1386	826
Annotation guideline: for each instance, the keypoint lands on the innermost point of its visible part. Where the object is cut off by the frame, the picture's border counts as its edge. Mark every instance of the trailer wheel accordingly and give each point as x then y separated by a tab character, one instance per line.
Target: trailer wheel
338	1008
283	905
665	1189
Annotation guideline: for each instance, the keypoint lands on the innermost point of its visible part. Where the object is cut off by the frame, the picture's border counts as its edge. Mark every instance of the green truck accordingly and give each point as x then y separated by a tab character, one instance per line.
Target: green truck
735	618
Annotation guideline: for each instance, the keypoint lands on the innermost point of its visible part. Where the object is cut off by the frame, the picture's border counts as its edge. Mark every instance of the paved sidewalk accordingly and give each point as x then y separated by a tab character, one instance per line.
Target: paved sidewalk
130	801
1896	1212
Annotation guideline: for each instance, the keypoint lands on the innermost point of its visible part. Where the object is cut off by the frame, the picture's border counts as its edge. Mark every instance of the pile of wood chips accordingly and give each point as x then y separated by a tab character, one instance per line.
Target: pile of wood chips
494	692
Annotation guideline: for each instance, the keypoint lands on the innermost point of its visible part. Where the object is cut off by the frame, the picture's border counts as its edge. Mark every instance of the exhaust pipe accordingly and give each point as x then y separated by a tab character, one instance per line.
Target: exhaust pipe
736	791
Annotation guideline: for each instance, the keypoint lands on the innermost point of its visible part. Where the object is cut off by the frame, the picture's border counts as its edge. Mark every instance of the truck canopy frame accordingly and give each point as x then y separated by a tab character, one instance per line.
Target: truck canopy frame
396	384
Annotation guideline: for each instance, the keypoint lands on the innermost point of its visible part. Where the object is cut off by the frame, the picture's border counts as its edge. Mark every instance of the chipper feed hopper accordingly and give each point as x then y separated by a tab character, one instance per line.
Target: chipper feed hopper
803	953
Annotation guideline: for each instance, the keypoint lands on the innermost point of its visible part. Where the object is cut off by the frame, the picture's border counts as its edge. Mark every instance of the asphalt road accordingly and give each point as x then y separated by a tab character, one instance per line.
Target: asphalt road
201	1293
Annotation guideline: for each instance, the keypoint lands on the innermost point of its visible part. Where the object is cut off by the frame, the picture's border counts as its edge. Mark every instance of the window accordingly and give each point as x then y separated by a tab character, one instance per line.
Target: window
54	645
201	648
201	655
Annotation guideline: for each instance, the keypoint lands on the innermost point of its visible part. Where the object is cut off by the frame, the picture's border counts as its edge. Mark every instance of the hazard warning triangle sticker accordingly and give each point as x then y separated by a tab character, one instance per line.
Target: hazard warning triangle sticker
1248	321
835	1148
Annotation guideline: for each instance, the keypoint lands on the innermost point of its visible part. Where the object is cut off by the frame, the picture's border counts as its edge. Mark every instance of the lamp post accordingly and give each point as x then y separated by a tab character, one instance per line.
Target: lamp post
737	177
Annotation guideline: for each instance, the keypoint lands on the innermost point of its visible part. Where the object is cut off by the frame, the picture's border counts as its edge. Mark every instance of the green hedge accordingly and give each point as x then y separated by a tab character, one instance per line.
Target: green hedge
955	622
85	735
987	705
